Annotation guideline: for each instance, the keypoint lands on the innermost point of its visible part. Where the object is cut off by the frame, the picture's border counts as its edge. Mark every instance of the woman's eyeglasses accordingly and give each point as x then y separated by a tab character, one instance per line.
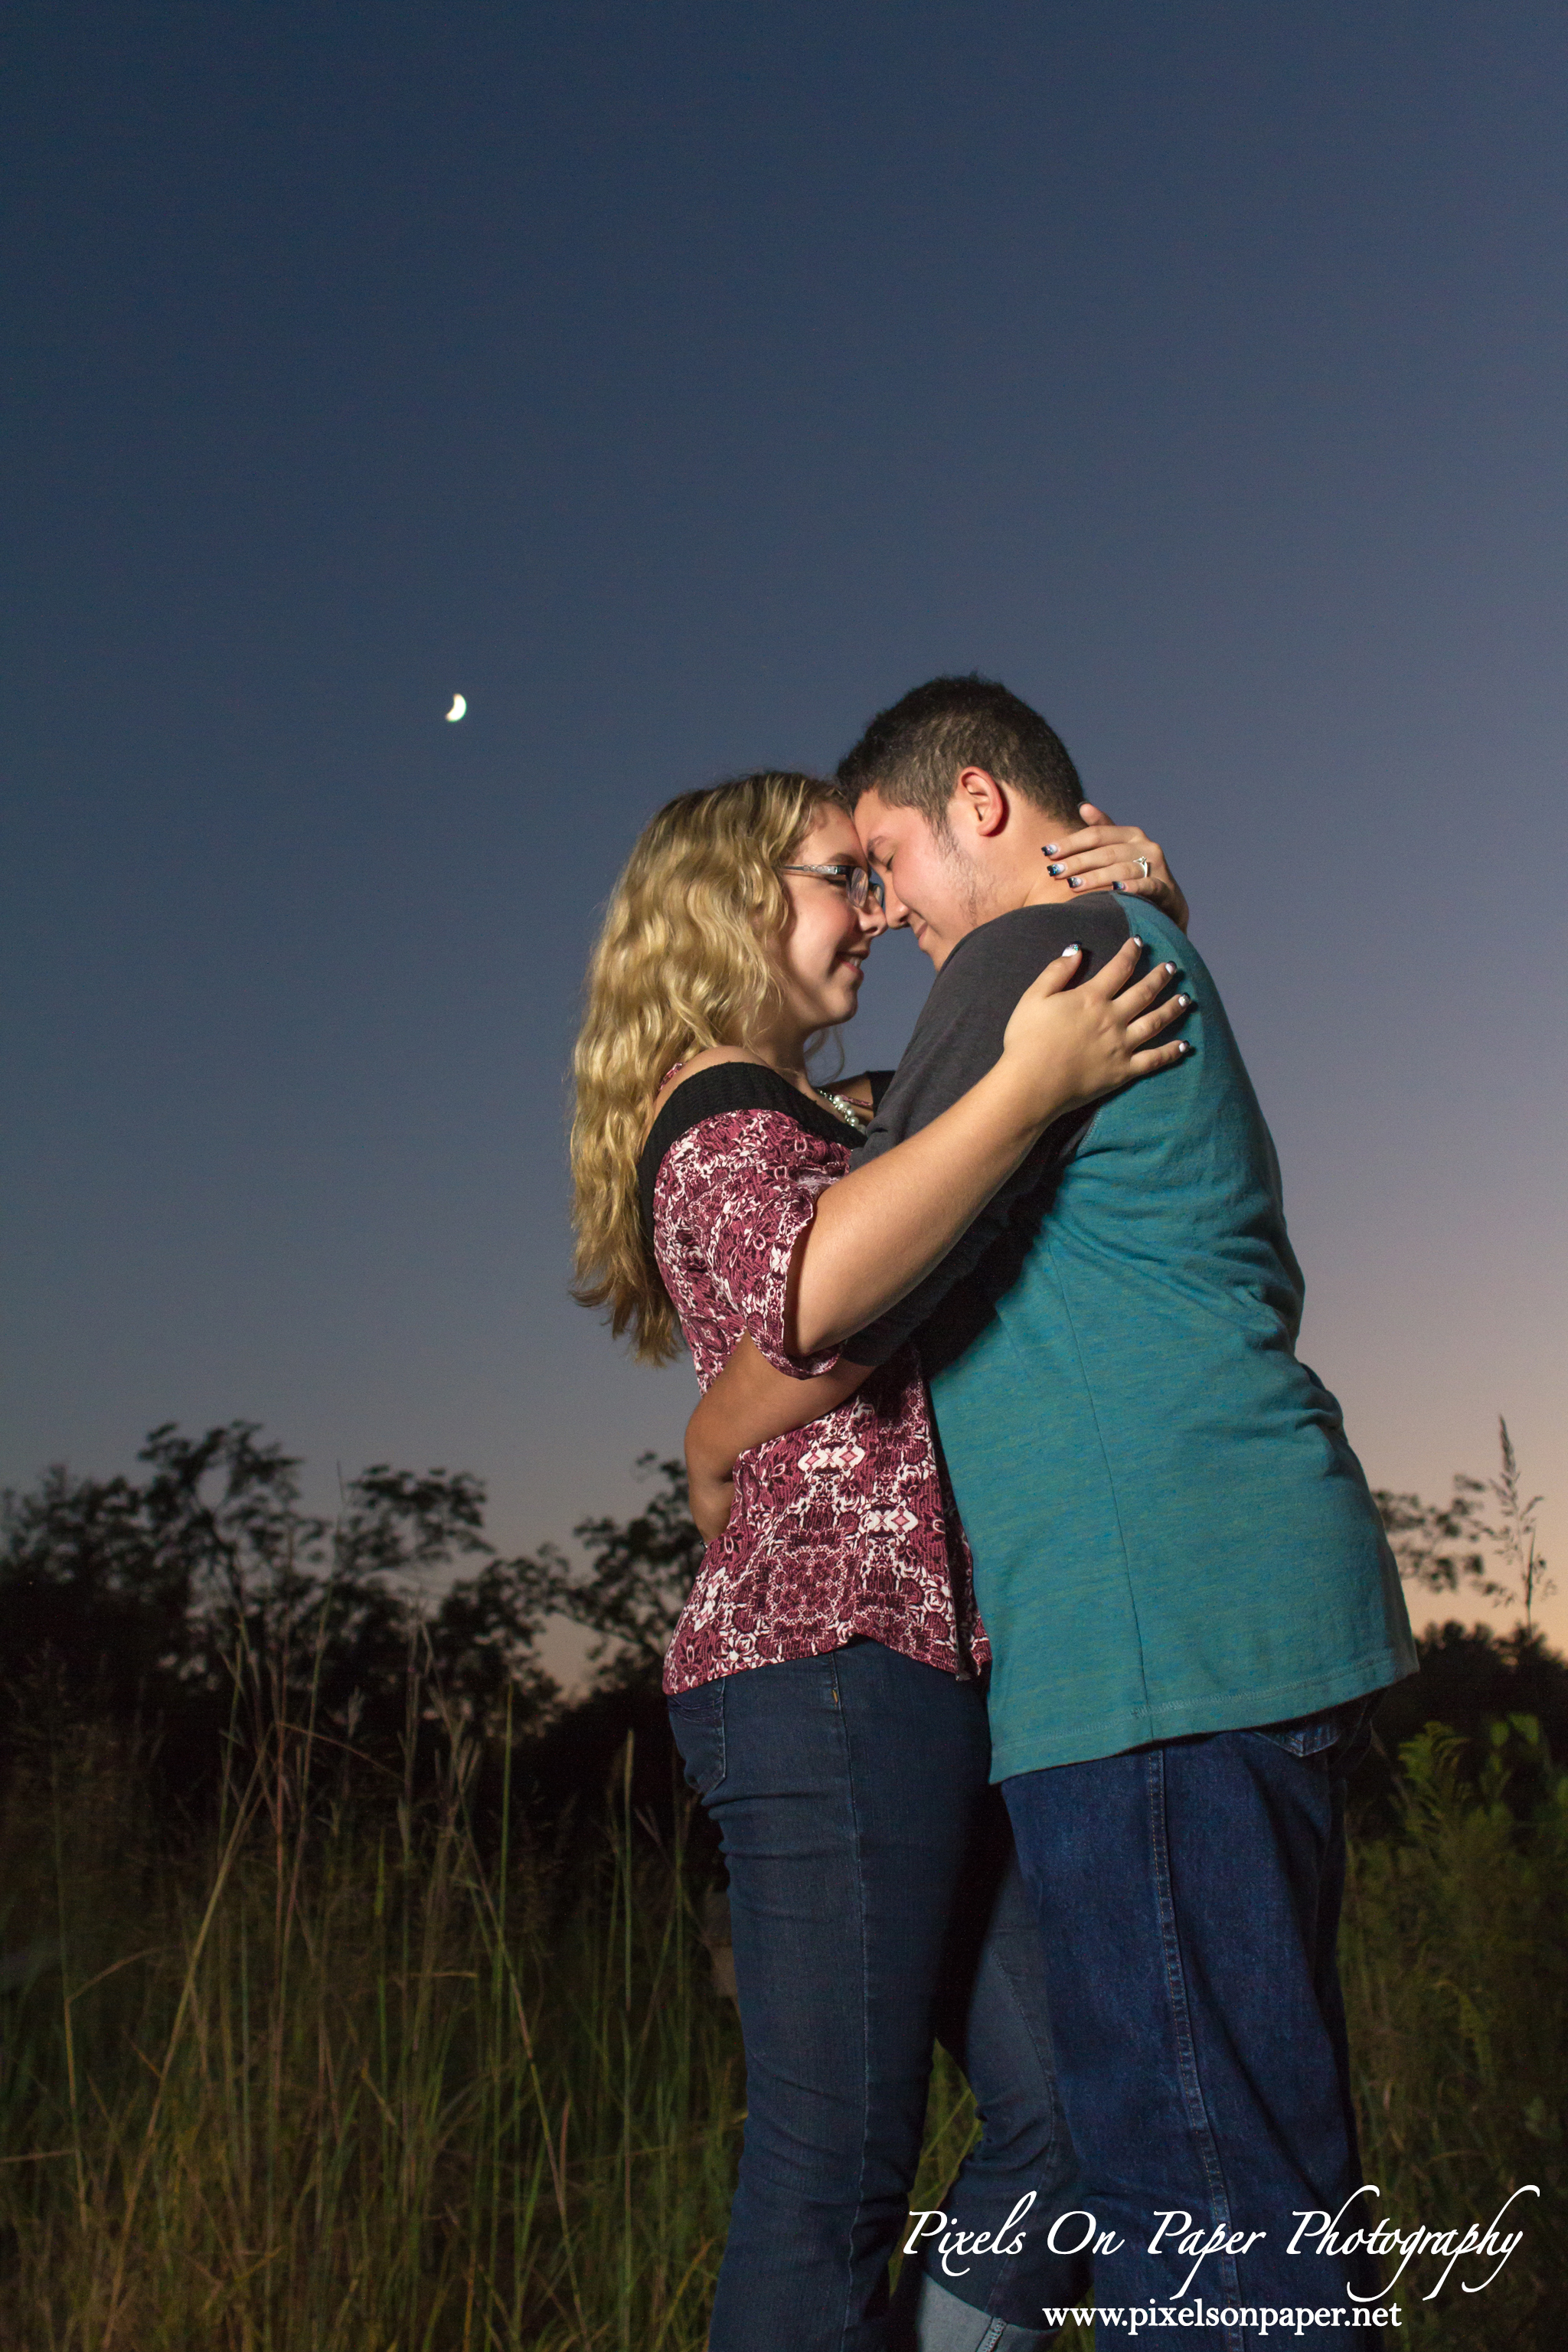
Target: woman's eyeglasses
859	886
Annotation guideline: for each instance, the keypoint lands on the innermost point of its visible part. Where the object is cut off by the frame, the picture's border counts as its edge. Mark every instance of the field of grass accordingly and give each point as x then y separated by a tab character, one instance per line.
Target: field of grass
334	2081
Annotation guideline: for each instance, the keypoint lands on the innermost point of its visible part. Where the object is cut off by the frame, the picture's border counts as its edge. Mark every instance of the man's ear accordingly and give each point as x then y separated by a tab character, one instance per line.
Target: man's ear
981	803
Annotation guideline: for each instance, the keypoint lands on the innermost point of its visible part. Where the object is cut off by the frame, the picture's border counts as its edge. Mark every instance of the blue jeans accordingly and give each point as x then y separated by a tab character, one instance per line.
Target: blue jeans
876	1906
1189	1894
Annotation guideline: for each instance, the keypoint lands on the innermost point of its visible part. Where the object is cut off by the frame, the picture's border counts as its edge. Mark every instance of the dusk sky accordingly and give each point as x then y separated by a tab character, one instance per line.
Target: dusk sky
682	383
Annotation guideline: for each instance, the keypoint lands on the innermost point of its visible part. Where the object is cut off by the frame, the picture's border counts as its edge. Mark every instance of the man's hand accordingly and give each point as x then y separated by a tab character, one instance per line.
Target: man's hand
711	1499
749	1403
1106	857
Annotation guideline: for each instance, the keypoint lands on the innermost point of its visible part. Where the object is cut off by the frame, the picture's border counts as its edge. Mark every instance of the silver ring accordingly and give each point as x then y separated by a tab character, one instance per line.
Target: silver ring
1143	867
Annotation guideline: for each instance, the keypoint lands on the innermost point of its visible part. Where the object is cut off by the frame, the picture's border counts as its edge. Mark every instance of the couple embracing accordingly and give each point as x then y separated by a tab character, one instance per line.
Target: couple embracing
1044	1601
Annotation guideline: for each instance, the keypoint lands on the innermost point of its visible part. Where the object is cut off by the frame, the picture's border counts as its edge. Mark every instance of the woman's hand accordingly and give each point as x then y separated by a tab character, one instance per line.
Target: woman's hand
1093	1038
1106	857
711	1499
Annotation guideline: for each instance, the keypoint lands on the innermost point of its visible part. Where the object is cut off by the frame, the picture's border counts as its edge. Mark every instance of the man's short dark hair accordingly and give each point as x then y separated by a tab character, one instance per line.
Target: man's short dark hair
912	752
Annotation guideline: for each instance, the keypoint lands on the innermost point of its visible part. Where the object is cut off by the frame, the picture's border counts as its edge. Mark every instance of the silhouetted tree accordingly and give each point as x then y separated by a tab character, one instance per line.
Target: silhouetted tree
143	1606
635	1583
1434	1544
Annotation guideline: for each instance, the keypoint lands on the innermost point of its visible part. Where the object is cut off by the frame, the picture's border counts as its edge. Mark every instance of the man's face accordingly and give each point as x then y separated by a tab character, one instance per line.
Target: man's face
932	888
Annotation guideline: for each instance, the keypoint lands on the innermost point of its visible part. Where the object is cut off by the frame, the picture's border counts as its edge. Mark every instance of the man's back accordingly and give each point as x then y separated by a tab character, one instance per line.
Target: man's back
1171	1533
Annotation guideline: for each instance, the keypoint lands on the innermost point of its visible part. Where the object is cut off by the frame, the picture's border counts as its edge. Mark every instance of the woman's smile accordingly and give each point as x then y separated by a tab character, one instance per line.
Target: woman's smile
822	954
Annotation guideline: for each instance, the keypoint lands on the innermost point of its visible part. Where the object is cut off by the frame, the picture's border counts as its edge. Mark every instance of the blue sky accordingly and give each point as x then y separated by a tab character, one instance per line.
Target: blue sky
680	385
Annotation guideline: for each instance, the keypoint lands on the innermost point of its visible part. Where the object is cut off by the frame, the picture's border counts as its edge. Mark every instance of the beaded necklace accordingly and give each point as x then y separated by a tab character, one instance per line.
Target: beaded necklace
849	1112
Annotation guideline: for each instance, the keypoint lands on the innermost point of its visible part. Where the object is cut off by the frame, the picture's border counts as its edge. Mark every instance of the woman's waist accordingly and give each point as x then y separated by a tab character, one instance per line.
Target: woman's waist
820	1534
832	1488
882	1435
827	1470
873	1454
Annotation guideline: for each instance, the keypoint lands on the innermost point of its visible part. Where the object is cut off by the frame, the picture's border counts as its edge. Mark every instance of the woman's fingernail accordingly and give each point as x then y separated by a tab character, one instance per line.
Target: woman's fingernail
1050	849
1183	1046
1172	970
1053	869
1115	886
1183	1002
1074	950
1075	881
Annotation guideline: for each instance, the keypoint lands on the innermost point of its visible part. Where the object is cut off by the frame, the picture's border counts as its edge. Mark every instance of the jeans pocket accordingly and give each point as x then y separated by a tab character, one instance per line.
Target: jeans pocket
696	1720
1334	1741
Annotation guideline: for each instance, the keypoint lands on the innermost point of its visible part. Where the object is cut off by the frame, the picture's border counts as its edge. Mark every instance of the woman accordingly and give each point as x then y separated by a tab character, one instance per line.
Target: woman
824	1678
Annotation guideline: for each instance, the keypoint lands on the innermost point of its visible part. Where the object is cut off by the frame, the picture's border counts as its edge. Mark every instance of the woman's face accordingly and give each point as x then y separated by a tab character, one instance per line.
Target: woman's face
822	953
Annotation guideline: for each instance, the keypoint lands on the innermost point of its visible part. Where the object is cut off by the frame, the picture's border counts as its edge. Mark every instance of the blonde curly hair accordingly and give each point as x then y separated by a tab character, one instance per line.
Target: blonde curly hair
681	963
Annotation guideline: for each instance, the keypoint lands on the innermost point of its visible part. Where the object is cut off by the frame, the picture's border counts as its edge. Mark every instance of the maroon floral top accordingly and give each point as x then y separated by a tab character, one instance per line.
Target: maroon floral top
845	1526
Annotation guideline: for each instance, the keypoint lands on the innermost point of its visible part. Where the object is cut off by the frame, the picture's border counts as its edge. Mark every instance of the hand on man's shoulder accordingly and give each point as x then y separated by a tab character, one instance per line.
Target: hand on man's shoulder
1013	948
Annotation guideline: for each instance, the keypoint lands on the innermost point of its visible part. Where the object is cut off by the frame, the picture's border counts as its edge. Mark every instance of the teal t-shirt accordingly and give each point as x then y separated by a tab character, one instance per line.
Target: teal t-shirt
1171	1533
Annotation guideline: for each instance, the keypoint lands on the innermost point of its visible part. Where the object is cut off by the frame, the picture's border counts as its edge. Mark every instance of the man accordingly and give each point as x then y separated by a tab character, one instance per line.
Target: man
1185	1582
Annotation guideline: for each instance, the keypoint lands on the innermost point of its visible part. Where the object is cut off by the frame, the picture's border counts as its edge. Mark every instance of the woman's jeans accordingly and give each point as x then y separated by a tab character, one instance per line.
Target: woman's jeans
1188	1896
876	1906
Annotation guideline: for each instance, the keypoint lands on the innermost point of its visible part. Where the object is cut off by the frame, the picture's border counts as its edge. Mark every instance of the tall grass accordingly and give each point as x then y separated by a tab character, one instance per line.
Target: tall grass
1455	1969
336	2082
330	2084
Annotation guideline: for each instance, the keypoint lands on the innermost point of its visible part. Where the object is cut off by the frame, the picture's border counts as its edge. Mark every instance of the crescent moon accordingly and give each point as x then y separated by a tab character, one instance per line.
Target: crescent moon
458	706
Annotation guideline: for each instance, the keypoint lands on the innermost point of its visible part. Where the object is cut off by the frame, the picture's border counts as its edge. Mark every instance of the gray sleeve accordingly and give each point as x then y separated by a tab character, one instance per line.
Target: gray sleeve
957	1039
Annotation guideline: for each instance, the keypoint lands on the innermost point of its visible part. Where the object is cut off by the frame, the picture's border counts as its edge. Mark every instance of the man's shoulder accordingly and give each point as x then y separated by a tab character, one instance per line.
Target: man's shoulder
1017	945
959	1032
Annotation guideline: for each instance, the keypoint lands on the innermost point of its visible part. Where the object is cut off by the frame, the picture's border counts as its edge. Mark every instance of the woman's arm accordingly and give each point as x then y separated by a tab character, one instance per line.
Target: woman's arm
880	1231
982	1138
749	1403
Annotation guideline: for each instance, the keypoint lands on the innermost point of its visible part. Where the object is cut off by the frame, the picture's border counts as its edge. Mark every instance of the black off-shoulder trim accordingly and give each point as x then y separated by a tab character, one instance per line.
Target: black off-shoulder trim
730	1085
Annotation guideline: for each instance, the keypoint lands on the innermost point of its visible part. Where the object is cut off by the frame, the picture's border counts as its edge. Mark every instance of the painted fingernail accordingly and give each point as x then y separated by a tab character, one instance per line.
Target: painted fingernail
1183	1046
1074	950
1136	940
1183	1002
1075	881
1172	970
1051	850
1053	869
1115	886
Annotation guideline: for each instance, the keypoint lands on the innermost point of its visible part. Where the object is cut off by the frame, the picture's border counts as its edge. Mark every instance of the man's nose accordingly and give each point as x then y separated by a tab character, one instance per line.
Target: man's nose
893	907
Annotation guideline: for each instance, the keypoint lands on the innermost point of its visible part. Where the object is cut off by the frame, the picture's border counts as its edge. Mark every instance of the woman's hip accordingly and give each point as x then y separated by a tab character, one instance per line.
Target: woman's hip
860	1730
848	1791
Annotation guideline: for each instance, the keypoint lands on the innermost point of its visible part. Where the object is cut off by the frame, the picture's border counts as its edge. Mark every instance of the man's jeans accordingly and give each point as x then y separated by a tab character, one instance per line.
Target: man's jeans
875	1902
1189	1894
